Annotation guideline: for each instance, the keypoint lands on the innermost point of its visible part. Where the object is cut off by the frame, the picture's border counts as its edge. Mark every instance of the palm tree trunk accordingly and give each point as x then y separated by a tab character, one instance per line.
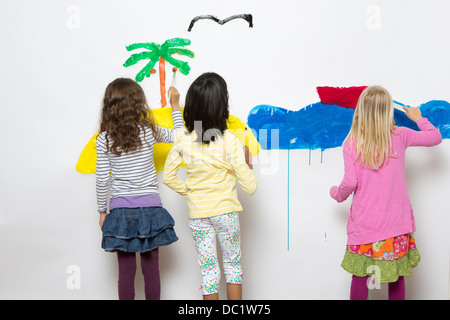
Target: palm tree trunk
162	81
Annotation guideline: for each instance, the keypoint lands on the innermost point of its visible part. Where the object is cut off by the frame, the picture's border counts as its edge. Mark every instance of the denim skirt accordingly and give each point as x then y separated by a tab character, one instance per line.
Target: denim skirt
137	229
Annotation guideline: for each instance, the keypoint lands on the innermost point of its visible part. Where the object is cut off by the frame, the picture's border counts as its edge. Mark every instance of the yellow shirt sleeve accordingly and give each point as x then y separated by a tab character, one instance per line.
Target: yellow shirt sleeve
170	173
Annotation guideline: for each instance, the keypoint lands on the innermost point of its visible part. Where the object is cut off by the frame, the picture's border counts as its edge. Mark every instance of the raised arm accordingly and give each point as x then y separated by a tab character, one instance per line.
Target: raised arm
428	135
167	135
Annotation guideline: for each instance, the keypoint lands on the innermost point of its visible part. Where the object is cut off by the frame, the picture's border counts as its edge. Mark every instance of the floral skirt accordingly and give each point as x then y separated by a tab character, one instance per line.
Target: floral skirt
387	259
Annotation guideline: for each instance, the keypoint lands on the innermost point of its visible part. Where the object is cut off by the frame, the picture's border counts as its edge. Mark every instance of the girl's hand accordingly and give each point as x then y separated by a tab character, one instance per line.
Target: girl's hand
174	98
413	113
248	157
102	219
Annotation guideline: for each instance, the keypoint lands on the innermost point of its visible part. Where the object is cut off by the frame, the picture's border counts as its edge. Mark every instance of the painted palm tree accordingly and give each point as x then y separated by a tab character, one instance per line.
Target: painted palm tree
160	53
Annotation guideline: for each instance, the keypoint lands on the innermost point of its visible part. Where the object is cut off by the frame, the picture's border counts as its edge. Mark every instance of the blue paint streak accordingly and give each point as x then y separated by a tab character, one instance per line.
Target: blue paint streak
316	126
288	199
322	126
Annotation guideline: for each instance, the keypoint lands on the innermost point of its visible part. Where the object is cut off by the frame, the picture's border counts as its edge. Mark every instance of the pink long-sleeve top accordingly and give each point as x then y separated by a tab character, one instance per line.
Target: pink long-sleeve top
381	208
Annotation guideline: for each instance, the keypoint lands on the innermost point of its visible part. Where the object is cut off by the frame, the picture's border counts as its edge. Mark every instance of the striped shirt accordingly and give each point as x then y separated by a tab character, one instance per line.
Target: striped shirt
210	186
130	174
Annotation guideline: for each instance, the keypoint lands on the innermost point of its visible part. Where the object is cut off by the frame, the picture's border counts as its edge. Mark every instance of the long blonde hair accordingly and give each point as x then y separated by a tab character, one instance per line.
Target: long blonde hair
373	123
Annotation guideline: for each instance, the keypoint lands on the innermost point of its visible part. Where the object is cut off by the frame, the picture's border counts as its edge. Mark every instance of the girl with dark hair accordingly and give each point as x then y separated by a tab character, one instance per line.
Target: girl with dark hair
207	104
214	158
137	222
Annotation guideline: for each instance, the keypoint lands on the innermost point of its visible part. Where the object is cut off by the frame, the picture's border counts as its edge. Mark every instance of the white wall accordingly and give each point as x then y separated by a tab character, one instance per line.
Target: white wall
57	58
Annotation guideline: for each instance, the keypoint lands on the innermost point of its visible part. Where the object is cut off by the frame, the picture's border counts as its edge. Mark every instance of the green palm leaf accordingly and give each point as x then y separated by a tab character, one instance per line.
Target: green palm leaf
176	42
148	45
181	51
135	58
181	65
145	72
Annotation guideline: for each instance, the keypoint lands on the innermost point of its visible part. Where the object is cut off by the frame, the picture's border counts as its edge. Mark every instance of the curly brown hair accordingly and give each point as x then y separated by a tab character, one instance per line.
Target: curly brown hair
124	113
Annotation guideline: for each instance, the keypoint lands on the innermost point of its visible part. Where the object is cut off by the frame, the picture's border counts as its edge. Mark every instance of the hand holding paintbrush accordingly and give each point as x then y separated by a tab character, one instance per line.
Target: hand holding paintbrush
247	153
412	113
172	84
174	95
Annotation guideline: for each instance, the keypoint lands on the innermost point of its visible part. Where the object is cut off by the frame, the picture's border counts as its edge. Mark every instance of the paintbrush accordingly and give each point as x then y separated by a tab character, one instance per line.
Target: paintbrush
245	133
172	84
398	104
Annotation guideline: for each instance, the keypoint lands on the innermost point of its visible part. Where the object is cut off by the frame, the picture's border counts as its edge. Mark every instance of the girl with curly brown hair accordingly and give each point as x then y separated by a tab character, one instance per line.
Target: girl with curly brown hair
137	221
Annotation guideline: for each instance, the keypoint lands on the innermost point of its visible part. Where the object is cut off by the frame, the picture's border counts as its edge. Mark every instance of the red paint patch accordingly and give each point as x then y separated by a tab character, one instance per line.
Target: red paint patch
346	97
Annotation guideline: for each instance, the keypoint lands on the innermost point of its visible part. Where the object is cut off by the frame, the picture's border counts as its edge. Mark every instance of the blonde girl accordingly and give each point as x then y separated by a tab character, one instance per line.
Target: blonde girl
381	222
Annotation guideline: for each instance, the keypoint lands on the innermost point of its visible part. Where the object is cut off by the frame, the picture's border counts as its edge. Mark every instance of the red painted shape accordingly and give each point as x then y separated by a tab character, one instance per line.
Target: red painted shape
346	97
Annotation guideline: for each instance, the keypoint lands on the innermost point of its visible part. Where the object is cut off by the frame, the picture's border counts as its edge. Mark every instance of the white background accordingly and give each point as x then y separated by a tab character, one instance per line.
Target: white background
57	58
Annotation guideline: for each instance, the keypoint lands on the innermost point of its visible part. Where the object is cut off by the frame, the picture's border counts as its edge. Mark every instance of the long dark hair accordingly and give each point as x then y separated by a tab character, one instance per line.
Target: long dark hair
124	113
206	107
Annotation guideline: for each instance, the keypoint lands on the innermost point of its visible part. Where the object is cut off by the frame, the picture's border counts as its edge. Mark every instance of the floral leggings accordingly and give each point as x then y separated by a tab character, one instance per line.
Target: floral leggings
204	231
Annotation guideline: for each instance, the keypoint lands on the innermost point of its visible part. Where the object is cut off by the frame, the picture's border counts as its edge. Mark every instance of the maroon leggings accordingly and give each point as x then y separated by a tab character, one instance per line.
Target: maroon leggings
127	272
359	289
